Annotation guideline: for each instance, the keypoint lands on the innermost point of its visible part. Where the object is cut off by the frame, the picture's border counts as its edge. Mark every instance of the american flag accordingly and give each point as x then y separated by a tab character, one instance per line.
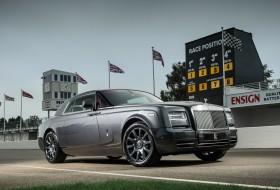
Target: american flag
81	80
9	98
232	41
115	69
157	56
26	94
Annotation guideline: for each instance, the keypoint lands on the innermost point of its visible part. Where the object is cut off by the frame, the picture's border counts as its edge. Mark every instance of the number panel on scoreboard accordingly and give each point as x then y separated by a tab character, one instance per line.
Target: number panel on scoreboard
191	88
202	86
202	72
191	75
215	84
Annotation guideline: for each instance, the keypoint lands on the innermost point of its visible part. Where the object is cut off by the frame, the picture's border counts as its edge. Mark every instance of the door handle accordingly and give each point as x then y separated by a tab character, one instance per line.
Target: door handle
95	113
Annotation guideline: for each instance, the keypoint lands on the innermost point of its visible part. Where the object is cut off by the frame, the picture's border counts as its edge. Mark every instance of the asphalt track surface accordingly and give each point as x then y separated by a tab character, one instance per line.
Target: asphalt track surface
242	166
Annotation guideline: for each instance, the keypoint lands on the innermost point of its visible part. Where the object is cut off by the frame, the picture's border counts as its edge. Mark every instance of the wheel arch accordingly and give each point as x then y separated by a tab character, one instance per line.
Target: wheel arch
129	122
46	132
142	116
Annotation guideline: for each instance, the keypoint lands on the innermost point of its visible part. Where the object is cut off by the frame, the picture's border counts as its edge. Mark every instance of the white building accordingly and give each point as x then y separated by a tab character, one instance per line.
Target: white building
256	110
57	87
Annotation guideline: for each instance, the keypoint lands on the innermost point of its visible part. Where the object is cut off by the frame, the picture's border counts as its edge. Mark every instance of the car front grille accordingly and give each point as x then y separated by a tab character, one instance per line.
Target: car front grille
210	119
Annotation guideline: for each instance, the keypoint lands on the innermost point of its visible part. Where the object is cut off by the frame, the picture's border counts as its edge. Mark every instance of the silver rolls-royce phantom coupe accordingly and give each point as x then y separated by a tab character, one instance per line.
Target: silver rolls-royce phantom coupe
137	125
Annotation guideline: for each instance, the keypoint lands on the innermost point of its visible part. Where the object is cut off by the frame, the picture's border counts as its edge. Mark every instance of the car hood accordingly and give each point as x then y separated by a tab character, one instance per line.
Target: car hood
176	103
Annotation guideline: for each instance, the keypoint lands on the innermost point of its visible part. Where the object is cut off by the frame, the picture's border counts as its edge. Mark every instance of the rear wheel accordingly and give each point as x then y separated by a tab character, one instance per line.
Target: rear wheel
139	146
210	156
53	152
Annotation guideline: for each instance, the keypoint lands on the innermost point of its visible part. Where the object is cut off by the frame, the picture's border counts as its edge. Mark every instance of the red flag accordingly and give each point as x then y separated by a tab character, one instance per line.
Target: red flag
26	94
81	80
115	69
157	56
9	98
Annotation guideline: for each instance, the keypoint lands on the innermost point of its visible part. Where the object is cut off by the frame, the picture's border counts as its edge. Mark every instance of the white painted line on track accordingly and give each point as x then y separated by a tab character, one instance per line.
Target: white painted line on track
145	177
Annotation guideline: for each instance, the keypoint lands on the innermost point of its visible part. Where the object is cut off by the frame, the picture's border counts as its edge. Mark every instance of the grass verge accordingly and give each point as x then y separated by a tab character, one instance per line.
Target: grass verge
135	185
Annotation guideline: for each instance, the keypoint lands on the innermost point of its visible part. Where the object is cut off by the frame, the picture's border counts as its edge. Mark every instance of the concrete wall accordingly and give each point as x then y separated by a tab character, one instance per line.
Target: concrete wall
33	144
18	136
256	116
259	137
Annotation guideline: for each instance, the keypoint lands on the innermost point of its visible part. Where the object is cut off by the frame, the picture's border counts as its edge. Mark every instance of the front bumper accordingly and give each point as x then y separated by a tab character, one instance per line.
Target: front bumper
188	141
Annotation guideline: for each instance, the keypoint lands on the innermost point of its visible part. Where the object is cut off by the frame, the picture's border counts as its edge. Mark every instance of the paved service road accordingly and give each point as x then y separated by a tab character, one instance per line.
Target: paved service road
242	166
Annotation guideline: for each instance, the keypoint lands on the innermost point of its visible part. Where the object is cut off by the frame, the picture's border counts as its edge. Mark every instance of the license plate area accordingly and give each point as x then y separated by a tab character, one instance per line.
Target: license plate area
214	136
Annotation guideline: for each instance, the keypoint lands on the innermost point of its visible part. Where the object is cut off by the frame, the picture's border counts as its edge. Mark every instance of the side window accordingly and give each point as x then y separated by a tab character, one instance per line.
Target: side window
101	103
70	107
76	105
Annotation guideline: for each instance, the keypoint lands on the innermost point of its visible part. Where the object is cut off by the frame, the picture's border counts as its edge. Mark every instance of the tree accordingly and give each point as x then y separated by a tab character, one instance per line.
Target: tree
267	74
2	120
33	121
176	84
2	123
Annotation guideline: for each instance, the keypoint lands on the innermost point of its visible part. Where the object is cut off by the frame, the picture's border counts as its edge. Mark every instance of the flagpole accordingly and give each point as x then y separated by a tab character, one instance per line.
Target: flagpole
153	70
223	64
4	113
109	72
20	122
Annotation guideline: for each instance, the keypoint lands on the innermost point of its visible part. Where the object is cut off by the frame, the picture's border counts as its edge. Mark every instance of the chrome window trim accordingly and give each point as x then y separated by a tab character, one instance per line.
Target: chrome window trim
74	99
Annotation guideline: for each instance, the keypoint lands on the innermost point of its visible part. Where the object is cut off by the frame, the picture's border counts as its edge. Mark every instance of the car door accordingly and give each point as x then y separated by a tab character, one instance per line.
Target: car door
106	120
80	128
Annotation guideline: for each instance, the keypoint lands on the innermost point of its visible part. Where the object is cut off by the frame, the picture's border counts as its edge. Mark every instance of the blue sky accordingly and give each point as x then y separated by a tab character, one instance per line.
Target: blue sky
81	36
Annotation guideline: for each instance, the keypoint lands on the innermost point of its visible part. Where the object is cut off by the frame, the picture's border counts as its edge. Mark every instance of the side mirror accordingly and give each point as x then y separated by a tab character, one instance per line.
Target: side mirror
88	104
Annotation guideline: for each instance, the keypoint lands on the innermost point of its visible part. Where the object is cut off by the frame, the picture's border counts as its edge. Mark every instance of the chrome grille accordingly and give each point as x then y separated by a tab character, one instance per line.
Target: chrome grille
210	119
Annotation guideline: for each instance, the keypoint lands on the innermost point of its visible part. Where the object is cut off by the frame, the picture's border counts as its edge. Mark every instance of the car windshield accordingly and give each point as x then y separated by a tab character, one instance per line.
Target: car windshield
120	97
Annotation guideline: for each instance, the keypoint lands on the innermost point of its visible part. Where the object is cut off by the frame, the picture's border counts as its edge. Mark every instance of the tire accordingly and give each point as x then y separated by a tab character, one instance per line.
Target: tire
53	152
139	146
114	157
210	156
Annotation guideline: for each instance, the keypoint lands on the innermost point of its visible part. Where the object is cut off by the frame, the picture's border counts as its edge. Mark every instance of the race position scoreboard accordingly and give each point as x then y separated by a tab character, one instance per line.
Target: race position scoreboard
205	70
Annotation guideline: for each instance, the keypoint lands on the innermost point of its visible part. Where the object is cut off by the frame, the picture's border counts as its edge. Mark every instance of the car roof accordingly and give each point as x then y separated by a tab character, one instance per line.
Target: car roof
63	106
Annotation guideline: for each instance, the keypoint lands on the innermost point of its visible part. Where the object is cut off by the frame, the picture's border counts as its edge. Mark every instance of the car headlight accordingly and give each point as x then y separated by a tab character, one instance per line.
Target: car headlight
178	119
230	120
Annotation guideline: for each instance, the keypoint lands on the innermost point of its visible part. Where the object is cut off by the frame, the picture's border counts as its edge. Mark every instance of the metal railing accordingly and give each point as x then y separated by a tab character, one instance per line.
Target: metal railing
252	87
13	130
12	127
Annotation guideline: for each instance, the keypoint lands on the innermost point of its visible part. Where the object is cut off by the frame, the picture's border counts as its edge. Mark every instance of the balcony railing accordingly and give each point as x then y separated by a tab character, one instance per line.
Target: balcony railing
14	127
252	87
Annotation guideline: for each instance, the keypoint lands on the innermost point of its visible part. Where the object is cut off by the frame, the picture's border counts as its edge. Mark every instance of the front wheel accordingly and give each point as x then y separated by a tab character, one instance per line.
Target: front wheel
139	145
210	156
53	152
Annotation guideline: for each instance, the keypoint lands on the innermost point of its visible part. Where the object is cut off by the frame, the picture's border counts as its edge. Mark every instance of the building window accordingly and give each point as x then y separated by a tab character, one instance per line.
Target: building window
65	78
55	77
47	78
47	95
69	78
74	78
55	95
61	77
61	95
69	94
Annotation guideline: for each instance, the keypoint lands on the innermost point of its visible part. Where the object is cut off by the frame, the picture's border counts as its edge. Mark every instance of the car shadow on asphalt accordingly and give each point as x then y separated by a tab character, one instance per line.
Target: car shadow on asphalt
121	161
180	163
161	164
